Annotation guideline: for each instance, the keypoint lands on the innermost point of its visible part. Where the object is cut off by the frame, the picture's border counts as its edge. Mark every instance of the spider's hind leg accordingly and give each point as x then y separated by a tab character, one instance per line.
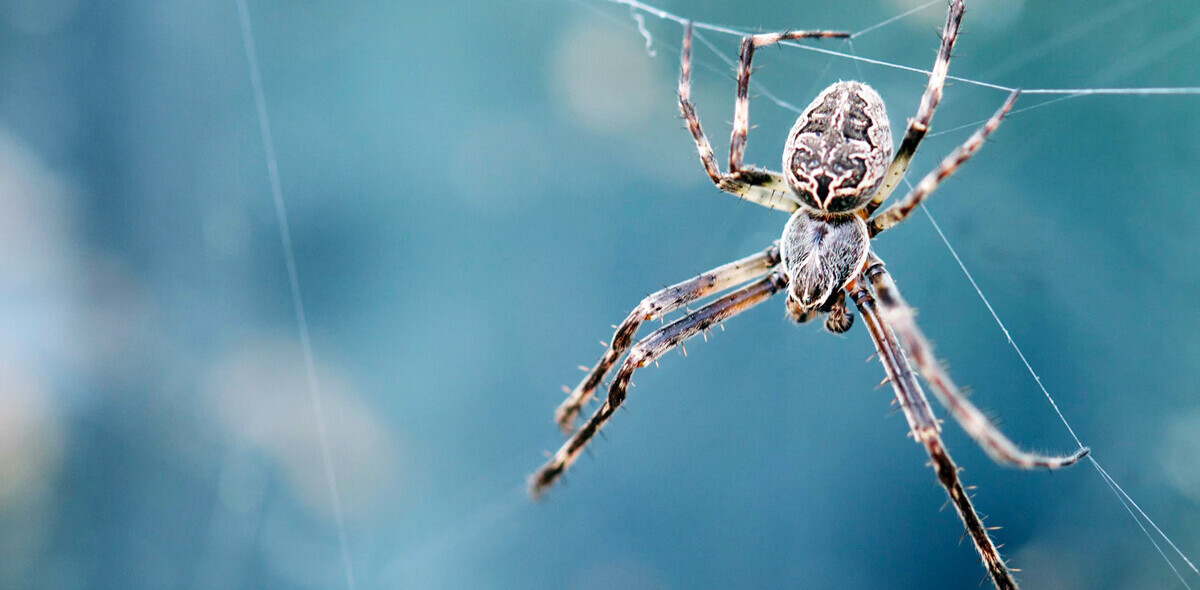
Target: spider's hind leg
763	187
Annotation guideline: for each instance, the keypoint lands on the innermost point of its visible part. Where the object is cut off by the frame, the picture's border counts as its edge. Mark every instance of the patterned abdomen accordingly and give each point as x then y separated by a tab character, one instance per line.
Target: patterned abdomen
838	150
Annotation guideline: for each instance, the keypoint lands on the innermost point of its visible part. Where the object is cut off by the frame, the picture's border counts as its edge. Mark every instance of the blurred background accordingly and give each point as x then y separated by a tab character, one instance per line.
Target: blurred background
477	191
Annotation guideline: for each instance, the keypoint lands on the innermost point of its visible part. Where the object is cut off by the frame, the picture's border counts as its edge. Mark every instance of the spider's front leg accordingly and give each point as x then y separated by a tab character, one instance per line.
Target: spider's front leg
924	427
645	352
899	316
763	187
655	306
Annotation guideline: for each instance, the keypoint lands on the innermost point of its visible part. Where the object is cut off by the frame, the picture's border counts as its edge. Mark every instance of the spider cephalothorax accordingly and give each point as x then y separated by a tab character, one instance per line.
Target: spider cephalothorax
821	254
838	169
838	150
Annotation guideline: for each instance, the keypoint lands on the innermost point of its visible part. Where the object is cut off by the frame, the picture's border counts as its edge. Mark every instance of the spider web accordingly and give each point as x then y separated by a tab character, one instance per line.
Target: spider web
638	12
289	254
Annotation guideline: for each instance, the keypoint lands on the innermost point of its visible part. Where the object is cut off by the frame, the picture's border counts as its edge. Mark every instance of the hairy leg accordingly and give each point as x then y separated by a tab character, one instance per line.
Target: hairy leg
653	307
741	108
899	316
900	210
763	187
918	126
645	352
924	428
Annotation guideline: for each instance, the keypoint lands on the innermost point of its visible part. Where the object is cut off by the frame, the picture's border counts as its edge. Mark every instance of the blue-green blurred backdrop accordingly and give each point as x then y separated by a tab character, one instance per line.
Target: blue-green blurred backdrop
477	192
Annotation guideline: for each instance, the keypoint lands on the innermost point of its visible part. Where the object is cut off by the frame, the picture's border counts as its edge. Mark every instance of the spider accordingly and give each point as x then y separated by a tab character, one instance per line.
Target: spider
838	169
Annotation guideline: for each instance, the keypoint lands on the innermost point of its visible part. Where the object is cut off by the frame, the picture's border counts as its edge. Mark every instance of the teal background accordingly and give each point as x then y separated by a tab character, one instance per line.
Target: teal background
477	192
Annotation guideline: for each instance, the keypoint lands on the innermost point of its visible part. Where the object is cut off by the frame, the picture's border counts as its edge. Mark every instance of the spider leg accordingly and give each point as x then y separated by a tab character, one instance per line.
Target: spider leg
924	427
763	187
899	316
918	126
655	306
741	108
645	352
900	210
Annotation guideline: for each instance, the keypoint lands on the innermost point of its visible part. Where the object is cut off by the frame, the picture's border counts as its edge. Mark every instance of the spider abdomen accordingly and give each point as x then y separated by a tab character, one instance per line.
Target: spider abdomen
820	255
838	150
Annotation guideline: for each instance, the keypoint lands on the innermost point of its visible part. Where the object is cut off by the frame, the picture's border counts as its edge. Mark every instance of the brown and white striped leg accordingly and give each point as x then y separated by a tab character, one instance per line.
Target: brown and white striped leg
645	352
763	187
654	307
924	427
900	210
918	126
741	108
899	316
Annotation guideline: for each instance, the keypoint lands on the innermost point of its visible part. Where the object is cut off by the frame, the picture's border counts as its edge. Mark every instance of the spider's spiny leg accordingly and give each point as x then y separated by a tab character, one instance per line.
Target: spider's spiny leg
689	112
900	210
899	316
924	427
918	126
763	187
653	307
741	108
645	352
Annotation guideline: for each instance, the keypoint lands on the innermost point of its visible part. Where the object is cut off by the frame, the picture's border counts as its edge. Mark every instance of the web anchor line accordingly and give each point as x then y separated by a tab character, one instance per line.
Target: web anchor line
289	255
1135	511
1126	501
636	5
